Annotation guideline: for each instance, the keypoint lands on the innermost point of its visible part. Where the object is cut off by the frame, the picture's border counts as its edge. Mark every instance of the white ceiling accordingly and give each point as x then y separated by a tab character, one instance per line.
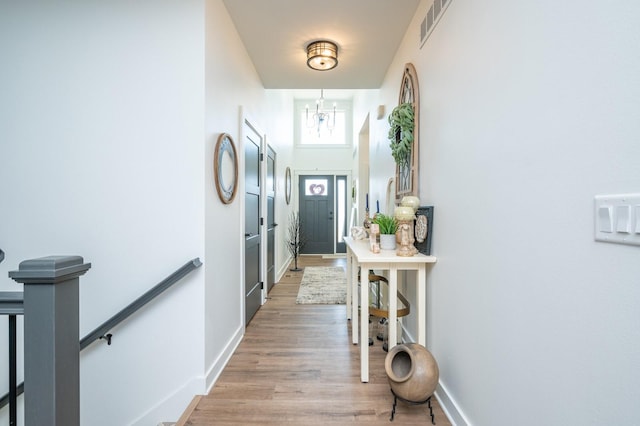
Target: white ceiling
276	33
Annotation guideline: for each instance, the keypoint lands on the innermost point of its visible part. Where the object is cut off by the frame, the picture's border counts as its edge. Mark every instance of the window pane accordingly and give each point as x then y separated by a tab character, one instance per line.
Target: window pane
322	132
315	187
342	208
332	117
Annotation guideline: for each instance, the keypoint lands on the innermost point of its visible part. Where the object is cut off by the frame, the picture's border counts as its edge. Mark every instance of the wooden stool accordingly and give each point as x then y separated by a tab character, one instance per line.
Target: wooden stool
377	310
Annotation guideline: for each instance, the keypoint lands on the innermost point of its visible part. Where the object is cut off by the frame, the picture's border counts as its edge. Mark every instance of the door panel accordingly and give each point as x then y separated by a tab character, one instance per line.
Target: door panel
253	289
271	225
316	214
252	284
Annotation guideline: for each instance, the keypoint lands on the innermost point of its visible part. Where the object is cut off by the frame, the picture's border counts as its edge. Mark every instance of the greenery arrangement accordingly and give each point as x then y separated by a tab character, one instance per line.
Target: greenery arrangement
387	224
401	120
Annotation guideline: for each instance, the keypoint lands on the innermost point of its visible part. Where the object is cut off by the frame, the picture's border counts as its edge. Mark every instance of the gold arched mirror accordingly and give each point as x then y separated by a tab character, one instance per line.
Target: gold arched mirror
407	172
225	168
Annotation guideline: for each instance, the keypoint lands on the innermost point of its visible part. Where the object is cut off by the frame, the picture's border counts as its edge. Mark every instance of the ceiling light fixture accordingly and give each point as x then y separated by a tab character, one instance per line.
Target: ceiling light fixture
322	55
321	118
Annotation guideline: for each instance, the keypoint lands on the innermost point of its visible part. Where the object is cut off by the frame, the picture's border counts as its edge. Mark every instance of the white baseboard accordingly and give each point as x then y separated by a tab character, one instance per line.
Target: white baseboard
448	404
173	405
334	256
450	407
218	365
284	268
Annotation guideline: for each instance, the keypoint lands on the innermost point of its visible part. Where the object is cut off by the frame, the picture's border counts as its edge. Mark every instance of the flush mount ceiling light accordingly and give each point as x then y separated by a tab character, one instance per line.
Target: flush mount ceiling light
322	55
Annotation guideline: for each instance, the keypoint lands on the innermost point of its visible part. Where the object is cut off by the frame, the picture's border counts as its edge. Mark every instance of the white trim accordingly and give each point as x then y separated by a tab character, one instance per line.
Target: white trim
223	359
283	268
175	402
447	403
450	407
247	124
180	399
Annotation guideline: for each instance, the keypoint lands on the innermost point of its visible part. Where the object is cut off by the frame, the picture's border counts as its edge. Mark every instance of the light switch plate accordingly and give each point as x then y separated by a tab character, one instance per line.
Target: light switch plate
604	219
617	218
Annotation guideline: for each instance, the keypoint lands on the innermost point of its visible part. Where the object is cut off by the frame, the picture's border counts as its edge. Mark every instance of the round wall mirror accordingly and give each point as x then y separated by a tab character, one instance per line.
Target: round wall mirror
225	168
287	185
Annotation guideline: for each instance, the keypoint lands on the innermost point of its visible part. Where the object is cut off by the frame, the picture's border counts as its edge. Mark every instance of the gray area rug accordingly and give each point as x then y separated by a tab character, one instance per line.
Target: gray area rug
323	285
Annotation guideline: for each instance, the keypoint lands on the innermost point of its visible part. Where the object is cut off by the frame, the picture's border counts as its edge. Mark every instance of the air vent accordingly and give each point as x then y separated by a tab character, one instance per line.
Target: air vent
435	12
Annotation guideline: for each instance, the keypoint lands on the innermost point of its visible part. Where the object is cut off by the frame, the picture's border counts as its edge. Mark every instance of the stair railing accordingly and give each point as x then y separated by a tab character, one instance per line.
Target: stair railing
11	304
101	331
53	388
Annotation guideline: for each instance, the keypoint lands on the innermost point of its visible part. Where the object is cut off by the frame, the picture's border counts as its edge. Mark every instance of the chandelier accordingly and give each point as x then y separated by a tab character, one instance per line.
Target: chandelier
321	119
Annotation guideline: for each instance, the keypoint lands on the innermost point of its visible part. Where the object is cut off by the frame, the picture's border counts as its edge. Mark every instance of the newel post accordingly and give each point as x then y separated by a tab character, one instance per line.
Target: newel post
51	339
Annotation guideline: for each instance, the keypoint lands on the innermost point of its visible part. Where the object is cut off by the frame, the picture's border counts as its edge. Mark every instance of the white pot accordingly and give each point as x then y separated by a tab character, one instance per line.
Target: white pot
387	241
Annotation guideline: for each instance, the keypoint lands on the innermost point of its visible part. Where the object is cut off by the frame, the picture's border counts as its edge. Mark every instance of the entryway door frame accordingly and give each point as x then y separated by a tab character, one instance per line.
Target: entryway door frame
347	173
266	224
252	280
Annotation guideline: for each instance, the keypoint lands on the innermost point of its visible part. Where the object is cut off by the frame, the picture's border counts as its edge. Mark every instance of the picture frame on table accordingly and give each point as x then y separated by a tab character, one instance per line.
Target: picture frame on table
424	229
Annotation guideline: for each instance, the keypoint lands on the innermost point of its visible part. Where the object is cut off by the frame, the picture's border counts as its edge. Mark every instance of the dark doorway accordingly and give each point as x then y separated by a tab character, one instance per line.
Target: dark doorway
316	213
271	225
252	283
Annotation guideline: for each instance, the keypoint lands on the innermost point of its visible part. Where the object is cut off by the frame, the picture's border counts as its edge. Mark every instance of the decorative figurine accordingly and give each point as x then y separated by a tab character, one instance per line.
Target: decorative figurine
405	216
405	248
374	232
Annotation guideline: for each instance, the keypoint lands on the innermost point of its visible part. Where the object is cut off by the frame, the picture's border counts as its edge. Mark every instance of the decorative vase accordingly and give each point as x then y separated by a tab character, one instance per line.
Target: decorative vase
404	213
412	371
388	241
410	201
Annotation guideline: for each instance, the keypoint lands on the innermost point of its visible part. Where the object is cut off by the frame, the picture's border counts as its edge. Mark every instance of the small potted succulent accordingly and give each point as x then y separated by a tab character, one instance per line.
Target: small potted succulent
388	227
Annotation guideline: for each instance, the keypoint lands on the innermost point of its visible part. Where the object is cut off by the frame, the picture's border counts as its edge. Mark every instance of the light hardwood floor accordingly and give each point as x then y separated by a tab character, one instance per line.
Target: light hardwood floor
296	366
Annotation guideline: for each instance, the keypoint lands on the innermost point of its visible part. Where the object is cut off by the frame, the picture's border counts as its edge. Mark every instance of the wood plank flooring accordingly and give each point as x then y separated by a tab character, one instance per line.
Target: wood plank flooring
296	366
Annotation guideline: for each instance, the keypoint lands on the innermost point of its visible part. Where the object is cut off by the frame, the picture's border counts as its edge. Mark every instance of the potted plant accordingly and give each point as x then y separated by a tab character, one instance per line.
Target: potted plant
400	134
388	226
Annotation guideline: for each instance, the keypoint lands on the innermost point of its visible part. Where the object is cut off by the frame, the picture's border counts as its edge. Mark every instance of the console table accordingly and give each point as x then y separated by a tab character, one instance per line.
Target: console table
359	255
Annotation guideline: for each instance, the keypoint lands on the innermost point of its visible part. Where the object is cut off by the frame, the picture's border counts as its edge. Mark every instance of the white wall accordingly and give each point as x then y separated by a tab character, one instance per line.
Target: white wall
108	124
232	86
528	110
106	108
279	127
374	158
